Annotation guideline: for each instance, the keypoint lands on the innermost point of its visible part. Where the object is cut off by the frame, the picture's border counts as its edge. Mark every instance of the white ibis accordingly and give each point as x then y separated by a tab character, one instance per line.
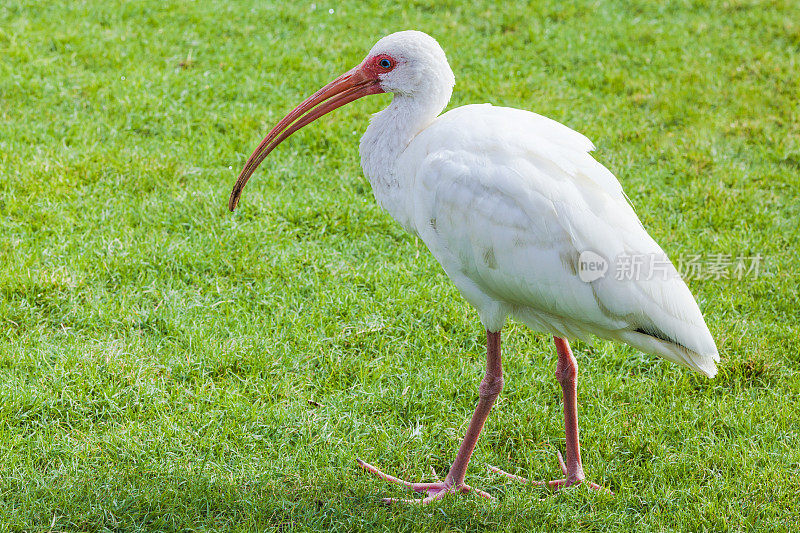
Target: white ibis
515	209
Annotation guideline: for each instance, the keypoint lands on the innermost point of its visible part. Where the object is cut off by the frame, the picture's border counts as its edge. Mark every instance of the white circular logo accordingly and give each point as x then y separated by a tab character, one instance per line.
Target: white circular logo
591	266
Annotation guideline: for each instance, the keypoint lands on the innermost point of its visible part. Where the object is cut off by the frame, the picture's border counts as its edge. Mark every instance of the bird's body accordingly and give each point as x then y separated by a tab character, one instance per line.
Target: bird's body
508	202
508	216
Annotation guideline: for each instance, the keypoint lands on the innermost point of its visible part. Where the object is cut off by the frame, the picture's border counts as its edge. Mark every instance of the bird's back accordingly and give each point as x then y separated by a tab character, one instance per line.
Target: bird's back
507	201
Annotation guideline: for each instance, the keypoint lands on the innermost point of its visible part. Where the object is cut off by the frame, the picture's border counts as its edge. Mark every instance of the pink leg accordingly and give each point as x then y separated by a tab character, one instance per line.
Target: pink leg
566	373
489	389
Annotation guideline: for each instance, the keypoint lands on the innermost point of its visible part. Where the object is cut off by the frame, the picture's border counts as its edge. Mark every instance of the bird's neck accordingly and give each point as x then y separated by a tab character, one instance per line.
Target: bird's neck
387	136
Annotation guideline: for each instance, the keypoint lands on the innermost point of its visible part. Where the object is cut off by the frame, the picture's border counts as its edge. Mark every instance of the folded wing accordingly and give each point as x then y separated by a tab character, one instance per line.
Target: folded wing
508	200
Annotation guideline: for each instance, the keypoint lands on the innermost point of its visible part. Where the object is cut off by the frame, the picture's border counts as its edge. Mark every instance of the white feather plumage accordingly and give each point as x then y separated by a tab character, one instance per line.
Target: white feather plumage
506	200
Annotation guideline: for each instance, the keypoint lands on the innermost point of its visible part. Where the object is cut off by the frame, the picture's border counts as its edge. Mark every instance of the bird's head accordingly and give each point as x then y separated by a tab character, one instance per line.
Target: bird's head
406	63
409	63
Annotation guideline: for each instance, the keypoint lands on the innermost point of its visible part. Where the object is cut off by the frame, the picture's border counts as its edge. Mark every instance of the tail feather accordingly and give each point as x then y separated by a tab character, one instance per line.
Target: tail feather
704	362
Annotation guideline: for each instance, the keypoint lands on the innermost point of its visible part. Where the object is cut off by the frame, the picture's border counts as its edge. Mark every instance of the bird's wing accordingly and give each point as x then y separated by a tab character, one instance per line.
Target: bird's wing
507	201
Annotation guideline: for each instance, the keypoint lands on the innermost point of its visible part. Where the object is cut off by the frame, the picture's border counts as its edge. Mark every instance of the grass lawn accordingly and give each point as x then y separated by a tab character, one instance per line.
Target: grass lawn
166	365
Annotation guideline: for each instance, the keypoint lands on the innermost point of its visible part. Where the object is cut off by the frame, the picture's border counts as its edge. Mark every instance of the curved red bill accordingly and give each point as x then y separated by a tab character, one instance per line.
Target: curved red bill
346	88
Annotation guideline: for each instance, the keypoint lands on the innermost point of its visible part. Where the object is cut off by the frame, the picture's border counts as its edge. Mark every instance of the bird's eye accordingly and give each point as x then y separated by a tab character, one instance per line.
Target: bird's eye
385	63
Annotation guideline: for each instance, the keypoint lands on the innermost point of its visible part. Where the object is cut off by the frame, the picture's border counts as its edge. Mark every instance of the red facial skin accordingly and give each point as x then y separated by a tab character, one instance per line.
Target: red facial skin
372	65
361	81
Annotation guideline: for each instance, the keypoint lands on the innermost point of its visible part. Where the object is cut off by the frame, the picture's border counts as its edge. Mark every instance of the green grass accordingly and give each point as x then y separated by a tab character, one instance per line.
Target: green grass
168	366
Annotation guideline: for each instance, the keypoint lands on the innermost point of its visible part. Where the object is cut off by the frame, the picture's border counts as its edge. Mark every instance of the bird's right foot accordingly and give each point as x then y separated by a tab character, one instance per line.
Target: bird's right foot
436	491
556	483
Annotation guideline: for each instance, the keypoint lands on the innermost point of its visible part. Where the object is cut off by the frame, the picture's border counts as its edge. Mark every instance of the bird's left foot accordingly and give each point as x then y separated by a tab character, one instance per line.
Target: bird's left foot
436	491
556	483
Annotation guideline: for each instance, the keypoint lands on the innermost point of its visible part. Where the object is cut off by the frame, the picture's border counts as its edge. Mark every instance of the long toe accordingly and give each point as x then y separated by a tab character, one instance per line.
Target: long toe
436	491
556	483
